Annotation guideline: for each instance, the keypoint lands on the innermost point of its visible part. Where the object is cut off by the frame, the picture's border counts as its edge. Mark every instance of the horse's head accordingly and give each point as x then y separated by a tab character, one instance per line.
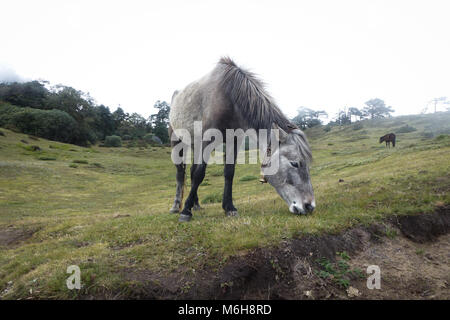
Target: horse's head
291	179
381	139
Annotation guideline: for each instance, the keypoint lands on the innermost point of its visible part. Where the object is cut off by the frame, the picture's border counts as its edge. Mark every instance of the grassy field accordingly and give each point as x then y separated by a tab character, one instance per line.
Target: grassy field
107	209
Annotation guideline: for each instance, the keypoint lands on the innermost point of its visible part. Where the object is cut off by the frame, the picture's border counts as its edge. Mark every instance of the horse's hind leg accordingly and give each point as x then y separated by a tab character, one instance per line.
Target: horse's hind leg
181	173
181	169
195	196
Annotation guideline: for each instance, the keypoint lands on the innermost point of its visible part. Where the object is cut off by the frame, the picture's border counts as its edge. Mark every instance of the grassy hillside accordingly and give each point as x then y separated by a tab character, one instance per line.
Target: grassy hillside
107	209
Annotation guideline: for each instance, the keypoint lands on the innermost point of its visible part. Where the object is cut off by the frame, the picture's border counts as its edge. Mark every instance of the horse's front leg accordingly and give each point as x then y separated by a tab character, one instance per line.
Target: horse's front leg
228	172
196	179
196	203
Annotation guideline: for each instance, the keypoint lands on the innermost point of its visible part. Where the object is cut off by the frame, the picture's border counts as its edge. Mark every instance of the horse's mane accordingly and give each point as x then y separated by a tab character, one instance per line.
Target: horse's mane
247	93
256	106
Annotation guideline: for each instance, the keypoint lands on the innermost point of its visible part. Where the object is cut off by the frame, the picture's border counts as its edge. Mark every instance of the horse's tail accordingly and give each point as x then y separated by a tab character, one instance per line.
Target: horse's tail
249	97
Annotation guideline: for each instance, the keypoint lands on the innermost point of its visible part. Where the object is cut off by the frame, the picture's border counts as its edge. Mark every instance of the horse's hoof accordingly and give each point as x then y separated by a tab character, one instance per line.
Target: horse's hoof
232	213
174	210
197	207
184	218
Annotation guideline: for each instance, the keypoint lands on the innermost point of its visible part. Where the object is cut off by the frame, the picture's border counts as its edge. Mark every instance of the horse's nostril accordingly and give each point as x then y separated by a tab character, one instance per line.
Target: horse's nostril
294	202
309	207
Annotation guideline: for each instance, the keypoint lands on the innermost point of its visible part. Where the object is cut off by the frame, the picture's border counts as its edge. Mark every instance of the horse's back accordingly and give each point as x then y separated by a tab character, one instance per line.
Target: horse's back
187	107
201	100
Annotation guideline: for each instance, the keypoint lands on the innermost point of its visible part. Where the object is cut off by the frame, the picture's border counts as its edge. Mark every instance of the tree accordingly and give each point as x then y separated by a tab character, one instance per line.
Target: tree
376	108
441	101
28	94
308	118
104	123
160	120
119	116
355	112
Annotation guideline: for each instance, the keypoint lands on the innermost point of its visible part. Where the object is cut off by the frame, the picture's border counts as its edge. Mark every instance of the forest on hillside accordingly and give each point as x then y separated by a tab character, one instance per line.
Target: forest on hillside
65	114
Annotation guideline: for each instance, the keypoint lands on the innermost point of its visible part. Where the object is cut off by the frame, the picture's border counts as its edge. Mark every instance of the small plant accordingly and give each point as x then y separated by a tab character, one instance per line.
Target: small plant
339	272
217	172
33	138
31	148
73	165
248	178
357	126
2	133
420	252
391	233
212	198
344	255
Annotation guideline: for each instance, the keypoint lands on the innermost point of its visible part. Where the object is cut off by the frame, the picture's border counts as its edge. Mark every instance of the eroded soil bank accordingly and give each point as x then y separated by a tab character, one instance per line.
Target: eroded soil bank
412	252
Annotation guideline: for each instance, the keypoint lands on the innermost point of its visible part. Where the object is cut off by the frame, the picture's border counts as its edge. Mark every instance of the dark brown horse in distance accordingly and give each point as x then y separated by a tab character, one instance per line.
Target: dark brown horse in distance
388	138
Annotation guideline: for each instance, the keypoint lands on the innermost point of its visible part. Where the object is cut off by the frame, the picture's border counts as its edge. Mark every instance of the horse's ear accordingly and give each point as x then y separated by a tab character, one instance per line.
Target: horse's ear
282	135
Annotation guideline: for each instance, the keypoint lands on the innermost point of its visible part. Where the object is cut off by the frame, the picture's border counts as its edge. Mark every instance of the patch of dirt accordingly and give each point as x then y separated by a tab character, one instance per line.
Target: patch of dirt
10	236
412	252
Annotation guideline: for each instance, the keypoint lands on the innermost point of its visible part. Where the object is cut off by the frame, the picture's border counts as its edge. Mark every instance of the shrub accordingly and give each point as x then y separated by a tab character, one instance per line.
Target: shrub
97	165
47	158
406	129
80	161
152	139
357	126
73	165
35	148
427	134
113	141
2	133
442	137
148	138
126	137
141	144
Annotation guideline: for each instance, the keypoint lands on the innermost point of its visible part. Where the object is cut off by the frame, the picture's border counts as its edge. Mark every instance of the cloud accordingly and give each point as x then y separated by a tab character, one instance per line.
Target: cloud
8	74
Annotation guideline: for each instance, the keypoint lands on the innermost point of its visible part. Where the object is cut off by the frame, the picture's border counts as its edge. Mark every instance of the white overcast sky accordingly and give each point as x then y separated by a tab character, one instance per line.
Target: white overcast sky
318	54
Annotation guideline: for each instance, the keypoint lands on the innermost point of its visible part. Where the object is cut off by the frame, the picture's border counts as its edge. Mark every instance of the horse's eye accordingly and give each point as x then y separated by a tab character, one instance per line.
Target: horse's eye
294	164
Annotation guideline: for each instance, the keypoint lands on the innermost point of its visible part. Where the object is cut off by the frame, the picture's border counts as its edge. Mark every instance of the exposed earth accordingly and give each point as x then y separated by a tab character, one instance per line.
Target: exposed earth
412	252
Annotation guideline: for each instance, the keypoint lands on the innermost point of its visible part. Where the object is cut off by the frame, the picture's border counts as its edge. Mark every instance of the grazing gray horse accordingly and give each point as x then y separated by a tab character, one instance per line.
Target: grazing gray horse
230	97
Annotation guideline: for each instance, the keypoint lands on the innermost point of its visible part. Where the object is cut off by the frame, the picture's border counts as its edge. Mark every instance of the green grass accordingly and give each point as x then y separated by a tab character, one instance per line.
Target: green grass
72	210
